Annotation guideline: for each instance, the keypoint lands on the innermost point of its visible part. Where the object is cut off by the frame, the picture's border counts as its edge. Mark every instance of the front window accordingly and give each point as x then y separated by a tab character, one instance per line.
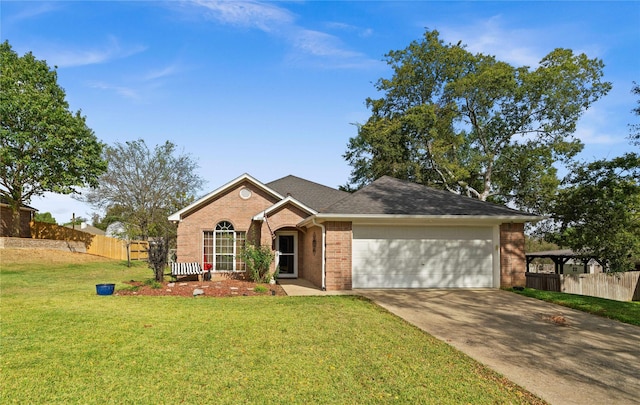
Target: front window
222	248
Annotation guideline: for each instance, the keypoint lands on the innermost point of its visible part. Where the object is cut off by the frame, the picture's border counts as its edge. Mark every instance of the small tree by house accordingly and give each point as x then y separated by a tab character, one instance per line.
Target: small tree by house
258	261
158	256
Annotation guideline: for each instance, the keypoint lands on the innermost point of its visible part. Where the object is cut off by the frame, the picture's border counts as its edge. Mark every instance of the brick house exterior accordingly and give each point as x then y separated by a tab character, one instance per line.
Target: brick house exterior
317	232
6	219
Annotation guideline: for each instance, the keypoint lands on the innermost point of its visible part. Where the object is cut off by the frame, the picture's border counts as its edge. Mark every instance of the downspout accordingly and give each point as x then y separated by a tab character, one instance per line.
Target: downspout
324	287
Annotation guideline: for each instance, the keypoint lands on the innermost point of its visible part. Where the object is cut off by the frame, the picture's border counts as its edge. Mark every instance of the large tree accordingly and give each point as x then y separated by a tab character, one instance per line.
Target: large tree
598	211
143	186
44	147
635	128
472	124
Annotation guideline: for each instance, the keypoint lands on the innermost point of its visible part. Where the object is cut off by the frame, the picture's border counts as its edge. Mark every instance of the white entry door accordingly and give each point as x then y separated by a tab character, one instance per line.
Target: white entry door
287	254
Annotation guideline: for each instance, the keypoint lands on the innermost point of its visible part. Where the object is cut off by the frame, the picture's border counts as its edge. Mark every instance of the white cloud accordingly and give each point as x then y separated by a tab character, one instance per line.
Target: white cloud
308	46
75	57
161	73
517	46
126	92
320	44
32	10
361	32
251	14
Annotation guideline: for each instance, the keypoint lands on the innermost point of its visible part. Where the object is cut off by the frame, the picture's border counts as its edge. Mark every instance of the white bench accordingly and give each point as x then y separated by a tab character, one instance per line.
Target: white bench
186	269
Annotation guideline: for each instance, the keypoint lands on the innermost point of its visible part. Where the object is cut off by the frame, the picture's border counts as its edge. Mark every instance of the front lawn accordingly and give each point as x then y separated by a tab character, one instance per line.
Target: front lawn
627	312
62	343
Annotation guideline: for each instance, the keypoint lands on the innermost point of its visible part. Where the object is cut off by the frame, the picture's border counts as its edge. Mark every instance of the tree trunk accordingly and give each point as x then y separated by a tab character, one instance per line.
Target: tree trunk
16	222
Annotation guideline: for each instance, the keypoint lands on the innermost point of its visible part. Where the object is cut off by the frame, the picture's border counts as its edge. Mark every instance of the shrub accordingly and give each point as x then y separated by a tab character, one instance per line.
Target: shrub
260	289
153	283
258	260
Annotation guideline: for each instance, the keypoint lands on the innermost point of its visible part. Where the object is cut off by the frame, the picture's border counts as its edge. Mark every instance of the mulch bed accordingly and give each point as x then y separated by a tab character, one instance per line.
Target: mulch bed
214	288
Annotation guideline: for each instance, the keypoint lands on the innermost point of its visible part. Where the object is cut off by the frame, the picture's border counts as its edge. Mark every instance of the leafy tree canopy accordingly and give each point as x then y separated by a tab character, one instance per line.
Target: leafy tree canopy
44	147
598	212
143	186
472	124
635	128
45	217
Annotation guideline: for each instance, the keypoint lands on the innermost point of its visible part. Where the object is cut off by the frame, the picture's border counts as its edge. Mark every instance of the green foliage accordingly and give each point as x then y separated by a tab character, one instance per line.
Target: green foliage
635	128
598	212
153	283
44	147
472	124
260	289
142	187
258	259
77	221
158	257
114	213
45	217
535	244
627	312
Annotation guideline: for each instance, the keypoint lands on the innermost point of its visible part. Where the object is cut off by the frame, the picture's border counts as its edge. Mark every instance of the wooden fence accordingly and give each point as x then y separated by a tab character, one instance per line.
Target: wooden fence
117	248
95	244
614	286
543	281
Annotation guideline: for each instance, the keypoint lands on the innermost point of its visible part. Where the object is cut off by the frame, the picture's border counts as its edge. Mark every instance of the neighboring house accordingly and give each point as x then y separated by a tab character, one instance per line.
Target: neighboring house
389	234
115	230
6	219
85	227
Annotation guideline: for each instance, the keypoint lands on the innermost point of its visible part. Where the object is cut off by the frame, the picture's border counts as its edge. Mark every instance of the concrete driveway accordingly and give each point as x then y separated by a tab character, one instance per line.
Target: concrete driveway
589	360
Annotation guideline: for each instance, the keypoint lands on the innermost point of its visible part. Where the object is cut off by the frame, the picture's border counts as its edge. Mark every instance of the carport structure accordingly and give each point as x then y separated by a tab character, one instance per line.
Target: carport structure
561	257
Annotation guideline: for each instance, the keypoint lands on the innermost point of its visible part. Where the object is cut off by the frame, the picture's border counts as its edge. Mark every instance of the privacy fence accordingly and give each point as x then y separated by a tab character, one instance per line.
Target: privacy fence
94	244
614	286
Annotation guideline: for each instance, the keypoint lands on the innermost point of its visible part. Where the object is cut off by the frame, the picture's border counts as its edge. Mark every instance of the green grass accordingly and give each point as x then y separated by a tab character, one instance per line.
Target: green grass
627	312
62	343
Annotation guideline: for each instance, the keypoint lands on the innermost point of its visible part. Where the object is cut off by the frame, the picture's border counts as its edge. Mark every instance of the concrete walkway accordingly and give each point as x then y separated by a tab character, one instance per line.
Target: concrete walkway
562	355
300	286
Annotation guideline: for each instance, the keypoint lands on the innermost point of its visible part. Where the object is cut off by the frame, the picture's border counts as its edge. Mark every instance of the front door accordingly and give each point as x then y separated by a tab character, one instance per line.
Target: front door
287	254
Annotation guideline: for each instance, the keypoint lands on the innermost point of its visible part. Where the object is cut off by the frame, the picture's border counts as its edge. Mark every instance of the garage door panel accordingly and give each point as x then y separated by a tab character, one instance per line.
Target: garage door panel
460	258
442	280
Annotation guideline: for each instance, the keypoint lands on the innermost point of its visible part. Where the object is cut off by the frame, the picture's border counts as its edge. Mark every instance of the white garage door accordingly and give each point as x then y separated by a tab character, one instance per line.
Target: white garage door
422	257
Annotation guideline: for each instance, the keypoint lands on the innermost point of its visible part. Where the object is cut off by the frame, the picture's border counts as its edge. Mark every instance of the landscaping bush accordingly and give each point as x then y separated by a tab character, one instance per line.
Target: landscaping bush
258	260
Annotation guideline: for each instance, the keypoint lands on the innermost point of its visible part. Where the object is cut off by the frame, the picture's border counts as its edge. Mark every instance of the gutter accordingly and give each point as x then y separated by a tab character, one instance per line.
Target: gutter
420	220
324	231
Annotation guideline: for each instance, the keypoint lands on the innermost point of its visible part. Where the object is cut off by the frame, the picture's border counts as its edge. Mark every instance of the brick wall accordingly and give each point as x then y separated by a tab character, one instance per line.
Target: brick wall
228	206
6	221
338	255
310	257
512	256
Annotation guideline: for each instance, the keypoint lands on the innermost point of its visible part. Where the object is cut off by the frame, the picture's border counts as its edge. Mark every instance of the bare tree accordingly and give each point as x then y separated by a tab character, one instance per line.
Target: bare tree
146	186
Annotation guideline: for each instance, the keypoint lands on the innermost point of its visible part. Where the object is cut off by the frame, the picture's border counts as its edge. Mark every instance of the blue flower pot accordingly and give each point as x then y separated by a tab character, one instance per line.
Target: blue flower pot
105	289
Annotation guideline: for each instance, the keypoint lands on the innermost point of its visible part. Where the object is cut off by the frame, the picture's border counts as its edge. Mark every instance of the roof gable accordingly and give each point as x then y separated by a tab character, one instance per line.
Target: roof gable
390	196
177	216
282	203
313	195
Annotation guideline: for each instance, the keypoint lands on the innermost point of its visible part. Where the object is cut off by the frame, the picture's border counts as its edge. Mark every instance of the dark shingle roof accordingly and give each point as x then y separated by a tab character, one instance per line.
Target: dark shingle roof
5	200
391	196
313	195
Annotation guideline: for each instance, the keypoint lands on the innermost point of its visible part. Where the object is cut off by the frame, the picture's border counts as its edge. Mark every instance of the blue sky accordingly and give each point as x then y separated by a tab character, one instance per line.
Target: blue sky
273	88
